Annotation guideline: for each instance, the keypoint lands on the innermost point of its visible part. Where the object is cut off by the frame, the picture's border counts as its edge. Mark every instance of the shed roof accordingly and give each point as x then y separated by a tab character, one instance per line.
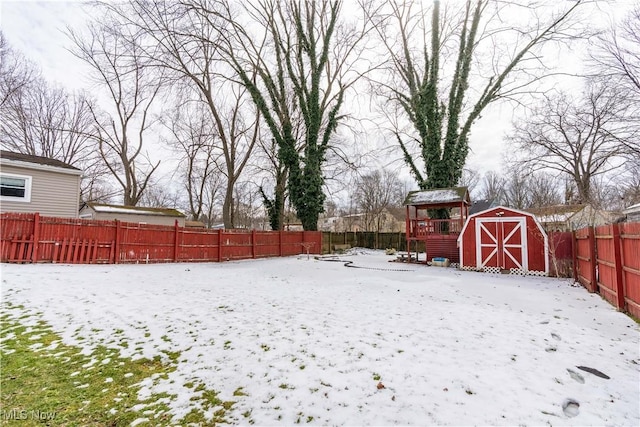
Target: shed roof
135	210
438	196
28	158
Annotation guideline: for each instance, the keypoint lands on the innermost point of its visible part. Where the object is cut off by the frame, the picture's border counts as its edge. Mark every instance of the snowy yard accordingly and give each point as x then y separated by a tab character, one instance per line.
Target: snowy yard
319	343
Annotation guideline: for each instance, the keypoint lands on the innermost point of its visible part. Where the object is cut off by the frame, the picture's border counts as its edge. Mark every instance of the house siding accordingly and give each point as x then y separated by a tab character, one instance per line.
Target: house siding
52	193
147	219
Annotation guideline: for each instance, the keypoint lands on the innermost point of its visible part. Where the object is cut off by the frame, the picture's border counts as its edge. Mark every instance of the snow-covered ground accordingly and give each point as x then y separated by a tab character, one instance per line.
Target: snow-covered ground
316	341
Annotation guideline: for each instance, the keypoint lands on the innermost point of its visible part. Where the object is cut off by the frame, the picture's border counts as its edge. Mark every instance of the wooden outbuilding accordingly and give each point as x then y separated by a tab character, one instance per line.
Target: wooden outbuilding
439	236
504	240
133	214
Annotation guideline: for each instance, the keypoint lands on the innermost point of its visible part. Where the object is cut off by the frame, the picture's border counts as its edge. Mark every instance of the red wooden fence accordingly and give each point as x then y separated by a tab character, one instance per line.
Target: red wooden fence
29	238
607	261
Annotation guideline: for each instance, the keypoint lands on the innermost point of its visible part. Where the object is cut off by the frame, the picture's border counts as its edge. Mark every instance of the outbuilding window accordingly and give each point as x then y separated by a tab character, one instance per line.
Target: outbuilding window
16	188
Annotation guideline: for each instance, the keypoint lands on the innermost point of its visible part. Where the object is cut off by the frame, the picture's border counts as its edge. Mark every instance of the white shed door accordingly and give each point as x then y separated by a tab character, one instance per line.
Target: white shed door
501	243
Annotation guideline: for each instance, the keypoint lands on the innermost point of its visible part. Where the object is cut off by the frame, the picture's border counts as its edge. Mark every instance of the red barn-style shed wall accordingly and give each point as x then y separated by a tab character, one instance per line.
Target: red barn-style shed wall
506	239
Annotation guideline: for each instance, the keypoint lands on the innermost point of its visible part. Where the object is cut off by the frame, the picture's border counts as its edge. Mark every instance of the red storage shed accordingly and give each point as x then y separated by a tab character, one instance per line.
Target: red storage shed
504	240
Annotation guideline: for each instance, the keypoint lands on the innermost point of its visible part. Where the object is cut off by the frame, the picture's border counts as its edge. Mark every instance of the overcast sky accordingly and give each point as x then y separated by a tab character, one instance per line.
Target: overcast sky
36	29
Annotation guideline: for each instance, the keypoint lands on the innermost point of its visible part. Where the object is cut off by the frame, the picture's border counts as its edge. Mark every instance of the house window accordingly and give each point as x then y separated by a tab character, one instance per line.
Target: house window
16	188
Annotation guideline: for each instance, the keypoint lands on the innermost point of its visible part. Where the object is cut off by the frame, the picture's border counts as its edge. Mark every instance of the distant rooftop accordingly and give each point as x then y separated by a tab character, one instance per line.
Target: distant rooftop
134	210
481	206
632	209
556	210
28	158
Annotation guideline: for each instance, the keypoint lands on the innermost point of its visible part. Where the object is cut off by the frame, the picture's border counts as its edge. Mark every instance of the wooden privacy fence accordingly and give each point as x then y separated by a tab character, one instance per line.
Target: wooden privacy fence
607	261
366	239
27	238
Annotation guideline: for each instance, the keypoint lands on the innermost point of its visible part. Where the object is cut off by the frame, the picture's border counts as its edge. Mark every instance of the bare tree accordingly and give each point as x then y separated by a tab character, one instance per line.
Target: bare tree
248	206
296	59
544	190
618	52
48	122
15	71
617	59
194	138
41	120
439	115
183	43
579	138
375	192
493	187
132	87
516	191
470	178
159	195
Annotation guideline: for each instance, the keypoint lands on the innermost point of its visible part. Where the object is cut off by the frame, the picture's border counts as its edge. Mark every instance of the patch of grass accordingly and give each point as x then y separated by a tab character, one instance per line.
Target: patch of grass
376	377
239	392
227	345
42	377
265	347
286	386
172	355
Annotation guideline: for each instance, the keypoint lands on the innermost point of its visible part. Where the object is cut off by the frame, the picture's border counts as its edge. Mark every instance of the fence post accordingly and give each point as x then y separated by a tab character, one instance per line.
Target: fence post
116	253
219	244
617	254
280	243
176	232
36	237
302	249
593	284
574	253
253	243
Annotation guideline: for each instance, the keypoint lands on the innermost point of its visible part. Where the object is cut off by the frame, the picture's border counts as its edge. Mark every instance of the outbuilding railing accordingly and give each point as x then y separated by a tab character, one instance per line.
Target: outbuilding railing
427	226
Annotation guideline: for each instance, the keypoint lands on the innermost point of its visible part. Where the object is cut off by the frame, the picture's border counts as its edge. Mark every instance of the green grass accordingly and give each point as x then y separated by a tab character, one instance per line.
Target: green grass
42	377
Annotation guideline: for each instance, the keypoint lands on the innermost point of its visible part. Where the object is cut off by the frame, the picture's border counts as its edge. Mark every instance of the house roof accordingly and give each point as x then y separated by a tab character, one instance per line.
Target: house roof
39	160
195	224
632	209
481	206
556	213
134	210
437	196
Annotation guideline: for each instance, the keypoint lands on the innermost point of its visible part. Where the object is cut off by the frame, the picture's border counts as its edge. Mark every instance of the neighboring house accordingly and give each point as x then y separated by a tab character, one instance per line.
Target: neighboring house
38	184
632	213
135	214
569	217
